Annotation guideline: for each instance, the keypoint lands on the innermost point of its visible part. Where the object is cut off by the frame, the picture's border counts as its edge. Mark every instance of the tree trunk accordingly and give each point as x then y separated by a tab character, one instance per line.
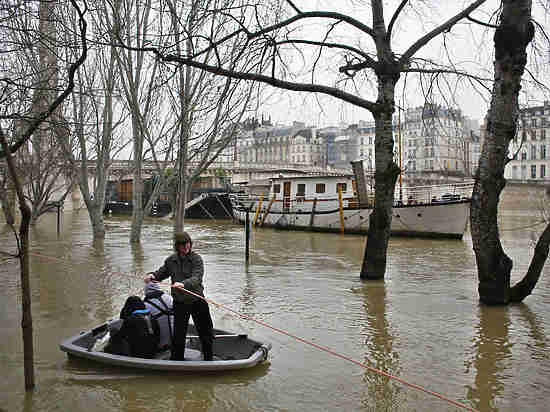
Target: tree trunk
96	218
137	196
7	199
183	145
26	318
512	36
524	288
387	172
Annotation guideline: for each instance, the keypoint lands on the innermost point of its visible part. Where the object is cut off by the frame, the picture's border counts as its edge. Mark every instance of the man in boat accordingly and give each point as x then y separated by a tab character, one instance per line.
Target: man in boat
186	270
160	304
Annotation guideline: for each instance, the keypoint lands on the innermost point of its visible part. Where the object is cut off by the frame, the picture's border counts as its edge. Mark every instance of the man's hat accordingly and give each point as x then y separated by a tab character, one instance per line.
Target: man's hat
182	237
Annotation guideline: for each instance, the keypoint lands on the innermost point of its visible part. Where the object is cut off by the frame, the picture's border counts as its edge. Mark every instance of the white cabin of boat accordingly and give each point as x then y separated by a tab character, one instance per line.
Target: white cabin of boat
307	188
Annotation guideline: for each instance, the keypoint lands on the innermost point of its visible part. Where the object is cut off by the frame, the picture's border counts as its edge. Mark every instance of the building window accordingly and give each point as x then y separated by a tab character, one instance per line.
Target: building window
533	172
320	188
277	188
543	152
341	186
542	171
523	156
301	189
543	134
533	152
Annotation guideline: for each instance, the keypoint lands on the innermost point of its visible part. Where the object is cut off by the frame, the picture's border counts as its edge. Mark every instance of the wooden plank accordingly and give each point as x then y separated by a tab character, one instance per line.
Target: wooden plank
312	216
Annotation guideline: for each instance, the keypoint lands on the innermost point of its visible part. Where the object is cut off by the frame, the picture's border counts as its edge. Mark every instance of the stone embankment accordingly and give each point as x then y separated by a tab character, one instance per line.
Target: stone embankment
523	196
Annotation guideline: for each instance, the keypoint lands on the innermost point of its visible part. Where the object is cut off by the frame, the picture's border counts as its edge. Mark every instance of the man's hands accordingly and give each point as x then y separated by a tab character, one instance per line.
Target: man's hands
149	277
178	285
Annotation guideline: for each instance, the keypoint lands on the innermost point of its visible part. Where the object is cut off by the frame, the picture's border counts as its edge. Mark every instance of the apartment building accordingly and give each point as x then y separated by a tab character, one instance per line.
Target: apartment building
281	145
434	139
530	148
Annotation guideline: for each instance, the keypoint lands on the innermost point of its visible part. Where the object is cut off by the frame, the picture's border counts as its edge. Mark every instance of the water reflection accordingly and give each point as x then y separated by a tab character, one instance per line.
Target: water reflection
423	322
248	292
142	391
137	257
492	352
494	348
536	333
383	394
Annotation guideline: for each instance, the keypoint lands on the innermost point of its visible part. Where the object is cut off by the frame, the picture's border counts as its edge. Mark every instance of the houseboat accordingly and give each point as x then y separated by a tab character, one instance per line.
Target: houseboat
205	202
333	204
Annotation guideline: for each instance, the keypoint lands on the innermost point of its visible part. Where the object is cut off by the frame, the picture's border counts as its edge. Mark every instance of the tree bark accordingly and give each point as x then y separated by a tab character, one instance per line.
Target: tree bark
512	36
26	318
387	172
524	288
387	73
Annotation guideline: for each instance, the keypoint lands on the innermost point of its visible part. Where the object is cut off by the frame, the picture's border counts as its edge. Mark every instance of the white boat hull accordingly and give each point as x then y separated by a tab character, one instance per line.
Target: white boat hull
441	219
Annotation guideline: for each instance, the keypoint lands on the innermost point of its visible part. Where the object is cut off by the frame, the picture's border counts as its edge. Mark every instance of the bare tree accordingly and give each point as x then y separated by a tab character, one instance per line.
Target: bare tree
206	108
272	34
514	33
92	122
41	168
19	90
141	82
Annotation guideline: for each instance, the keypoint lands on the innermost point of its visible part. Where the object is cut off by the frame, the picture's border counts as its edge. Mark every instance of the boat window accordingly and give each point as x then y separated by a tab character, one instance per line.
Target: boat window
342	186
301	189
320	188
276	188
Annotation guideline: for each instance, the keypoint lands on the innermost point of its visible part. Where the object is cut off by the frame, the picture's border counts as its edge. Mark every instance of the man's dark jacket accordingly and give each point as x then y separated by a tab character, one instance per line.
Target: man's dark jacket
189	270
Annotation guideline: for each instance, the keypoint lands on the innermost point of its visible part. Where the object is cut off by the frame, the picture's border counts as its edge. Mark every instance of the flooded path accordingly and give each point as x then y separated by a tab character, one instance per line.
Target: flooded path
423	323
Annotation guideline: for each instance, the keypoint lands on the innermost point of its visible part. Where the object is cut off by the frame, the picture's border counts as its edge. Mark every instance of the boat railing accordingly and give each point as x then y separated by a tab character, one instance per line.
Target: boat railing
434	194
297	201
416	195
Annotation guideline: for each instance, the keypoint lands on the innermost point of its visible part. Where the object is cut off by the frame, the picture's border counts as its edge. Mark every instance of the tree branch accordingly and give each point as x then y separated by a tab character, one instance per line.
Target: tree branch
304	15
437	31
72	71
282	84
371	61
492	26
394	18
293	6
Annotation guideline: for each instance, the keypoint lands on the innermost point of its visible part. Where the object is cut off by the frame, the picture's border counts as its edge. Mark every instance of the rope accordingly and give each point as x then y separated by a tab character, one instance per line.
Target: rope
332	352
307	342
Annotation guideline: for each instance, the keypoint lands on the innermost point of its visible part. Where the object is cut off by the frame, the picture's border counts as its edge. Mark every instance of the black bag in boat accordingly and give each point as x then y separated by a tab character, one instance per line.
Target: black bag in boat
139	334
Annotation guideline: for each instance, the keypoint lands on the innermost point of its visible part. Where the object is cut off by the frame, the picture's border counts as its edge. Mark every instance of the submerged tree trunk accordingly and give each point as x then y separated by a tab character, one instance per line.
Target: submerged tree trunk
387	73
26	315
185	77
512	36
137	191
387	172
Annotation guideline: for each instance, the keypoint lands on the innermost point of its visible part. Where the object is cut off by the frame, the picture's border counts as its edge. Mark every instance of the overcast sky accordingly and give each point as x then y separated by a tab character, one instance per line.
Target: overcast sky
470	46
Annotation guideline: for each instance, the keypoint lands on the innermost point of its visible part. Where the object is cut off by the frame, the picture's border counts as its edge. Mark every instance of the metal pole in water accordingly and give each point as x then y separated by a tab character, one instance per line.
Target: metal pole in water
58	218
247	231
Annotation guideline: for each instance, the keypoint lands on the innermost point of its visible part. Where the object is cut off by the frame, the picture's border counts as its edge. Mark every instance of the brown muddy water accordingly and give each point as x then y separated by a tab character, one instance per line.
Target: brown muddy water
423	323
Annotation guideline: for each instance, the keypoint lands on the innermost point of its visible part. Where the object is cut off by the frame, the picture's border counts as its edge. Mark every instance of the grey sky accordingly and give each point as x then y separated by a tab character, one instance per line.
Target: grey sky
470	45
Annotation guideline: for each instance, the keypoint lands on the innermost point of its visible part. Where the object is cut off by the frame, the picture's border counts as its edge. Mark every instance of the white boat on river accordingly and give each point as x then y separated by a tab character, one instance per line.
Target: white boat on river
331	204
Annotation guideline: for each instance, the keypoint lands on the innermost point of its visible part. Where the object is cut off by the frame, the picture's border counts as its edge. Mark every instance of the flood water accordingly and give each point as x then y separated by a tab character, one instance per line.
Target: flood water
423	324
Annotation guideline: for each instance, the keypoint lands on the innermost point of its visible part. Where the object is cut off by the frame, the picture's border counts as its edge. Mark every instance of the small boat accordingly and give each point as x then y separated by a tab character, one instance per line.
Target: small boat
231	351
334	204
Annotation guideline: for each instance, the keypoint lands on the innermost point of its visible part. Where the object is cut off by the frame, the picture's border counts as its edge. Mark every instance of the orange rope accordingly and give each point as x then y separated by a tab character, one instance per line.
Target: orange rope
307	342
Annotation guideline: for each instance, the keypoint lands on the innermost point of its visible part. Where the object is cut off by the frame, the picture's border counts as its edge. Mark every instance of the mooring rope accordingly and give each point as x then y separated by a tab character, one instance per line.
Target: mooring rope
305	341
